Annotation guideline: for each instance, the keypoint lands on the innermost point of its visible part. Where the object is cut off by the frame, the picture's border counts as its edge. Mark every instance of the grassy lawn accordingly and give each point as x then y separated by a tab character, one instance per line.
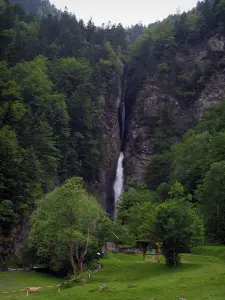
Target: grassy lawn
201	277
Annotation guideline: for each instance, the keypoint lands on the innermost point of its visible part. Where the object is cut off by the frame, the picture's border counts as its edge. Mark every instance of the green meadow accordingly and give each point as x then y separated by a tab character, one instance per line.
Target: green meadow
200	277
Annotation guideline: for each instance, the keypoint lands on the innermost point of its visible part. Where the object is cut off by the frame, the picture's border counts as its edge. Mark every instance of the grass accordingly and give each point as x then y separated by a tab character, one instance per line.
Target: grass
200	277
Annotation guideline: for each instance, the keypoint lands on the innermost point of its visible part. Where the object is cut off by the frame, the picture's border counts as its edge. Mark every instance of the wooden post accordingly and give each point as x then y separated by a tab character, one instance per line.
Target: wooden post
144	252
154	252
144	245
158	255
158	251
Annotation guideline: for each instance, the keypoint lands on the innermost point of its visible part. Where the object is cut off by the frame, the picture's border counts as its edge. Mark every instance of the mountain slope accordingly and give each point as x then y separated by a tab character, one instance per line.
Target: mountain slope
176	72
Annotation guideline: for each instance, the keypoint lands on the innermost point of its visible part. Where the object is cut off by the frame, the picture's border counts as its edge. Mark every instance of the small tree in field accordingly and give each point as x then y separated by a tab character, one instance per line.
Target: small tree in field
177	226
65	224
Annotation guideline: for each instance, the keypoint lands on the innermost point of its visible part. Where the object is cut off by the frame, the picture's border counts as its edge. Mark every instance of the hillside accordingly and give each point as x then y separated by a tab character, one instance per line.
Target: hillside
60	95
75	95
176	72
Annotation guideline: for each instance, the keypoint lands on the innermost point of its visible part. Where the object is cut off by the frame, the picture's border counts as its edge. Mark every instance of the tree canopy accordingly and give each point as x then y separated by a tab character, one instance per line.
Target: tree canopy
173	222
66	224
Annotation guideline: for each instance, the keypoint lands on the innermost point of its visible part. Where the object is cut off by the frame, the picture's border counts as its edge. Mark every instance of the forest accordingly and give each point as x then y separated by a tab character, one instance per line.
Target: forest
56	74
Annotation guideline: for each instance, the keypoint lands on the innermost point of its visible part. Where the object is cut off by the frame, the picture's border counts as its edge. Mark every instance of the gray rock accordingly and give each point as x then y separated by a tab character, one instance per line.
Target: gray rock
102	287
154	101
110	148
216	43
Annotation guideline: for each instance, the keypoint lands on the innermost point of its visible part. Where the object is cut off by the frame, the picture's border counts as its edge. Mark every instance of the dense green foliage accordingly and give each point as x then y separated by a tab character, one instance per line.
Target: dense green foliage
198	163
41	128
168	219
178	228
66	225
55	73
40	7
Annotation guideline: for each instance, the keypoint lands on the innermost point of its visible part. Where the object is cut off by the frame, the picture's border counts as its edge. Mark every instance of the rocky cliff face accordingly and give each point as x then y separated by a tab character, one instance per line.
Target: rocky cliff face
152	103
110	148
158	115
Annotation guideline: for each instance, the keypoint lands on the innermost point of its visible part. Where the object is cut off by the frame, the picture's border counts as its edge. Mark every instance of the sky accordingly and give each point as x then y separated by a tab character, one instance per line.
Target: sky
127	12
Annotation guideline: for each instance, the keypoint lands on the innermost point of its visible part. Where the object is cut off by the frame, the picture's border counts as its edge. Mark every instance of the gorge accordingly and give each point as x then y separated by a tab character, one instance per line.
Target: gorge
156	118
102	103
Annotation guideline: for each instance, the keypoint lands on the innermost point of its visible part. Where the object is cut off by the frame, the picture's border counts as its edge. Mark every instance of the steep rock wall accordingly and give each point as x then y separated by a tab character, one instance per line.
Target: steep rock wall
110	148
158	116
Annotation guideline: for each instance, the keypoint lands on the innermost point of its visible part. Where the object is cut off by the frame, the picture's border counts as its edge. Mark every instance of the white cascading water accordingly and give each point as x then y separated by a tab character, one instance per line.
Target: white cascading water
118	184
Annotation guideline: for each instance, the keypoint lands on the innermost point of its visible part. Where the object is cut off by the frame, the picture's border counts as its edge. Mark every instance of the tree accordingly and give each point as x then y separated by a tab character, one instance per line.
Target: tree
211	195
34	5
174	223
189	159
66	223
158	170
19	184
177	226
133	197
135	213
73	78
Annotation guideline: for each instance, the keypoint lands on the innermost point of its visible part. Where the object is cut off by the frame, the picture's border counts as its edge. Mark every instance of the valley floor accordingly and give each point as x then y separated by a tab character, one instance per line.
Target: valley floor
200	277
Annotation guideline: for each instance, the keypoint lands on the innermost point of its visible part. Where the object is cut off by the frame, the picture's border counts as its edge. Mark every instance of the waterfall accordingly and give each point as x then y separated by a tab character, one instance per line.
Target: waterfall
118	184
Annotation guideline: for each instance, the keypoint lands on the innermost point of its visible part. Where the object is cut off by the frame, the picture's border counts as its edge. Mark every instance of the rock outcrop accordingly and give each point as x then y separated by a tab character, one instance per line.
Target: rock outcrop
110	149
157	113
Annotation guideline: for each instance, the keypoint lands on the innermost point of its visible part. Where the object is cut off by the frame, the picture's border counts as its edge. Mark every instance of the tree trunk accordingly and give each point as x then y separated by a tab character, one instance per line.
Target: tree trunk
72	261
80	252
79	259
80	266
